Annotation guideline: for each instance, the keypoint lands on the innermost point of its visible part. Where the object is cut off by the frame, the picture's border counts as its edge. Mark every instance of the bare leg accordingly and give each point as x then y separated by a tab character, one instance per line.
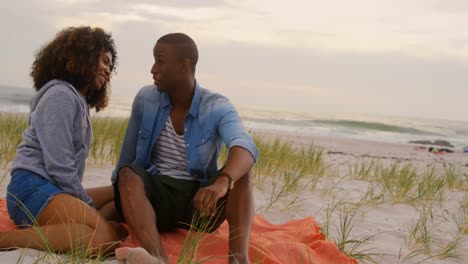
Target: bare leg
138	212
101	195
66	224
108	212
239	214
103	200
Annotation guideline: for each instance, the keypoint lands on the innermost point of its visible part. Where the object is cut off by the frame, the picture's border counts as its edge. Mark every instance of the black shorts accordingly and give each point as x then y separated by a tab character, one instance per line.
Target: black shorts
172	200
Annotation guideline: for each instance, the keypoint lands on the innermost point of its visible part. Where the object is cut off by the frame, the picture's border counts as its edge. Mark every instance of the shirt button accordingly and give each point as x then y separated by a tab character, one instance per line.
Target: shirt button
185	129
187	145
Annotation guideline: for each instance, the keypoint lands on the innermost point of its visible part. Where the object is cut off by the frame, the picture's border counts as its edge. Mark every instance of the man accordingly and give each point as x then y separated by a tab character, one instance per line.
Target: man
167	171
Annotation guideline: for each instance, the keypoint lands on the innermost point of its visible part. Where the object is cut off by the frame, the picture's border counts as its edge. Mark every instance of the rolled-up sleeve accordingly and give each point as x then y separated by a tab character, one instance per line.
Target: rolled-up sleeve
232	131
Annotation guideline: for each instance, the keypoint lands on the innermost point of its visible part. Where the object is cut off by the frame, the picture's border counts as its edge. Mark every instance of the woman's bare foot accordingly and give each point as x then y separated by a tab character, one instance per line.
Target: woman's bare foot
136	256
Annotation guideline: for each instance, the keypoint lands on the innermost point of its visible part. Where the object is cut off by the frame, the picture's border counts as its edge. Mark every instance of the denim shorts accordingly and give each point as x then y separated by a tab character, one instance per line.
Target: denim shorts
27	195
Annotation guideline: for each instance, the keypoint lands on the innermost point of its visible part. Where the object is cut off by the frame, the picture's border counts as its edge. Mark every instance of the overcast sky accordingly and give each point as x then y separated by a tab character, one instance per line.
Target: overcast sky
389	57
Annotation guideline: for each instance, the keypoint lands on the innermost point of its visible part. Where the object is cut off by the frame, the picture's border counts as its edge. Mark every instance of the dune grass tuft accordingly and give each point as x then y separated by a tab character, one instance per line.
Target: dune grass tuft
11	127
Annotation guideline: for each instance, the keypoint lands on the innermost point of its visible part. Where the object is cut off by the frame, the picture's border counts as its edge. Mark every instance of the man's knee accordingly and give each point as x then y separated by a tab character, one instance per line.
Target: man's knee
128	180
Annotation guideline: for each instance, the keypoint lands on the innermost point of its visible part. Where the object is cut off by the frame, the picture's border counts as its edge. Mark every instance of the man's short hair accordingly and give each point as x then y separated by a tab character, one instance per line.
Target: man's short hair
185	46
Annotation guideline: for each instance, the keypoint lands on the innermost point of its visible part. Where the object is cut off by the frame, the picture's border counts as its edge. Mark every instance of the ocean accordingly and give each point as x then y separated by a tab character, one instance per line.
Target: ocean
369	127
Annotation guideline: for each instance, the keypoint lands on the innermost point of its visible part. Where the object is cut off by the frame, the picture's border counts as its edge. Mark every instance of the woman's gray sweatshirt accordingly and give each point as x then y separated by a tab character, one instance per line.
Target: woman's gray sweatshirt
56	143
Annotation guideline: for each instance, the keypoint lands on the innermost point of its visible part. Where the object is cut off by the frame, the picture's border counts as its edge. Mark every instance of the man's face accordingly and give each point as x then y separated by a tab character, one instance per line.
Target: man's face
167	67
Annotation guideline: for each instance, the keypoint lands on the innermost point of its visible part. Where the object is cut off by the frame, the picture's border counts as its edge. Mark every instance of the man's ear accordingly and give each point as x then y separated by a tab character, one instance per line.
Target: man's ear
186	66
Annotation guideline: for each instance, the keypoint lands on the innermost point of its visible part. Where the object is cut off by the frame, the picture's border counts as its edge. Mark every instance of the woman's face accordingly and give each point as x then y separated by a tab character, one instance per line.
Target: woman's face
103	69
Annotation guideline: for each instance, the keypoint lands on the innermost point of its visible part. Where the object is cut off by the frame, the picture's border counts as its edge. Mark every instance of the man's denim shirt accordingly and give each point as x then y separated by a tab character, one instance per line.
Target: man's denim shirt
211	121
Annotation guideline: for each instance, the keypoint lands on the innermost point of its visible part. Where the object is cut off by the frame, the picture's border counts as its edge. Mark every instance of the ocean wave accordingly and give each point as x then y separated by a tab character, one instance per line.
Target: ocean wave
362	125
346	126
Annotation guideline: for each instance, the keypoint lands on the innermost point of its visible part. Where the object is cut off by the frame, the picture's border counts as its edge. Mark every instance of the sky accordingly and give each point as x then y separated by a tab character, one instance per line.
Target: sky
386	57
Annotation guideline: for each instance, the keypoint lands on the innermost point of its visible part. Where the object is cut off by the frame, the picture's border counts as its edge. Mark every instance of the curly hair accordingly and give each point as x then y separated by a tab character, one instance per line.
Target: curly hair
73	56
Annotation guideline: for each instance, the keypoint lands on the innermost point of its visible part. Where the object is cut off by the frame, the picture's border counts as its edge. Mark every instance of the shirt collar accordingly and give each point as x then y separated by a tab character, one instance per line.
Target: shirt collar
166	101
195	101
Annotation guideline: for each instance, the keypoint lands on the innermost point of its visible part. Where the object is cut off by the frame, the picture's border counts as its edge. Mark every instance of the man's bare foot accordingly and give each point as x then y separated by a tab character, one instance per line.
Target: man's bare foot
136	256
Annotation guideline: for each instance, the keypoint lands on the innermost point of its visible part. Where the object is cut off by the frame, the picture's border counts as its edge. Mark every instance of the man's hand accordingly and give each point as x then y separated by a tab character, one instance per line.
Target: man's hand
206	198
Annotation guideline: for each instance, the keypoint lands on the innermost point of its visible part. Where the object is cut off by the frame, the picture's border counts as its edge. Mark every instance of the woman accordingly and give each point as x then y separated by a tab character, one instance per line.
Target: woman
71	74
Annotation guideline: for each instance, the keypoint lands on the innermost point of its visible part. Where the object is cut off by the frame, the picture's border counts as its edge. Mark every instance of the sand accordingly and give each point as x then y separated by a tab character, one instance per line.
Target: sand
388	222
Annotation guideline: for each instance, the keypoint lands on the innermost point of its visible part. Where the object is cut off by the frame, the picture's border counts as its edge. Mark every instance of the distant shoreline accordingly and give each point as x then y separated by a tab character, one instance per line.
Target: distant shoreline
348	129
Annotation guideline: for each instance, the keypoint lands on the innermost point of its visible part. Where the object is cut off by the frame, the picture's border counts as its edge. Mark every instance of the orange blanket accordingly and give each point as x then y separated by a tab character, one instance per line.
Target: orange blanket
297	241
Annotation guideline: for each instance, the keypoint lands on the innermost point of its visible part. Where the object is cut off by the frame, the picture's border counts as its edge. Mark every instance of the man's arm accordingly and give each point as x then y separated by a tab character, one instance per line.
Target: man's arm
241	158
128	150
240	162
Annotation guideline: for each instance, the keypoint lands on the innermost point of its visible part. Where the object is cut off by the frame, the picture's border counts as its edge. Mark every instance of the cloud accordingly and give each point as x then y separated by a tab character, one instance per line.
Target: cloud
310	80
423	28
395	57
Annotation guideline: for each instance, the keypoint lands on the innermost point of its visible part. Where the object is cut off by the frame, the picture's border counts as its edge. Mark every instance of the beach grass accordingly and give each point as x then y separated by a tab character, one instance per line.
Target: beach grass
285	171
356	246
108	135
420	237
11	127
404	183
338	225
460	216
424	246
455	179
